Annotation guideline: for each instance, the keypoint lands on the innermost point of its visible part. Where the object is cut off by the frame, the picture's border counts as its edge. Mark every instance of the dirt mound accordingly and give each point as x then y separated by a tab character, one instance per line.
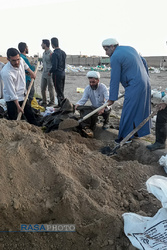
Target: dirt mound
61	177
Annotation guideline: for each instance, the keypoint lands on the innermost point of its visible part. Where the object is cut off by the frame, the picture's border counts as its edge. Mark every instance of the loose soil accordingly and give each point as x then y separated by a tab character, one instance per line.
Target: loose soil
62	178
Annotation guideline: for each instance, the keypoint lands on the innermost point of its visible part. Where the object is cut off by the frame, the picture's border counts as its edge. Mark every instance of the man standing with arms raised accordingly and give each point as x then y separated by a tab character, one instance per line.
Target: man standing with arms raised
58	69
46	79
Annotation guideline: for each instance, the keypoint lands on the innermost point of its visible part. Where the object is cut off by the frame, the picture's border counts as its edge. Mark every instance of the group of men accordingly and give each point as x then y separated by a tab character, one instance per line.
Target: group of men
53	64
18	73
127	68
53	75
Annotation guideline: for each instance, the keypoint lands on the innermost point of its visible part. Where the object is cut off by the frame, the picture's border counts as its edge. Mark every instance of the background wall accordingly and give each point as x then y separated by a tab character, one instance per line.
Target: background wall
76	60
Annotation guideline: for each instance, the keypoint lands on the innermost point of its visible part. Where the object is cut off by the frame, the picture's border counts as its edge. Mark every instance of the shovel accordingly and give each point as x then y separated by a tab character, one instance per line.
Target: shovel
71	123
28	91
110	152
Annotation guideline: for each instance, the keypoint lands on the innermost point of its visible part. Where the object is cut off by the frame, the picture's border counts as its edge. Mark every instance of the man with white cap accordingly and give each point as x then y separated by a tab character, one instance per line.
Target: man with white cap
98	94
128	68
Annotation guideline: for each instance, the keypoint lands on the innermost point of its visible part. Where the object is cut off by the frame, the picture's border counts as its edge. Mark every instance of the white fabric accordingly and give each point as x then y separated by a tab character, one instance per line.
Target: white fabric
1	82
163	162
93	74
97	97
14	81
109	41
146	233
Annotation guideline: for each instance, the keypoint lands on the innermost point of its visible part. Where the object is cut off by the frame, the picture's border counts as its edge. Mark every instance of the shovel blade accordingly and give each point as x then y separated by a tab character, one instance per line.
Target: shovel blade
68	123
105	150
108	151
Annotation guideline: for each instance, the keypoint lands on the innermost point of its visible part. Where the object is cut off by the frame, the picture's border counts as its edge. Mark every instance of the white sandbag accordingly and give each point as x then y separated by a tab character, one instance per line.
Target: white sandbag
72	68
154	70
147	233
164	99
163	162
157	185
153	91
157	95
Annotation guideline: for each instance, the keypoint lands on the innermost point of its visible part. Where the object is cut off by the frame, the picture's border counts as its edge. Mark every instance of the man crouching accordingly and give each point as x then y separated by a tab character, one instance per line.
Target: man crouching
98	94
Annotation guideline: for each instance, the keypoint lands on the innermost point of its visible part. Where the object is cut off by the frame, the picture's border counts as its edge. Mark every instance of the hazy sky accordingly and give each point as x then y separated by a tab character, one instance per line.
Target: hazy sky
82	25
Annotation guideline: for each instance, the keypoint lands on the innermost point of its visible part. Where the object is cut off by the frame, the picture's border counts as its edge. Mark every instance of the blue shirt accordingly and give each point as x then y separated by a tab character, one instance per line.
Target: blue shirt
28	78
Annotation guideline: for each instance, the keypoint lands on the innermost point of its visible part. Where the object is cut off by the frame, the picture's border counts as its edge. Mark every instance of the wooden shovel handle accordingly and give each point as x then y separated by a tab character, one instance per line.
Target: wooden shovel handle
96	110
93	112
114	150
137	128
28	91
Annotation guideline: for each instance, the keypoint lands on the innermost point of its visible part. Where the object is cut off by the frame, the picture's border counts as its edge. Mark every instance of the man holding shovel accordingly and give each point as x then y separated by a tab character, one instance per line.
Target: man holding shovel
13	76
128	68
98	94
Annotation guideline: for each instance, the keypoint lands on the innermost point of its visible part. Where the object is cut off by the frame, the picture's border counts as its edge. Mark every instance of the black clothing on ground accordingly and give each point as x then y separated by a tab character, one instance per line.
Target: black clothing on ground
52	121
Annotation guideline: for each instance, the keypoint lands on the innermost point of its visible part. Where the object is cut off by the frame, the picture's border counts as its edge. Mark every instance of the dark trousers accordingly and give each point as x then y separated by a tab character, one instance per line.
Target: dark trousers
12	112
32	91
91	121
161	126
59	82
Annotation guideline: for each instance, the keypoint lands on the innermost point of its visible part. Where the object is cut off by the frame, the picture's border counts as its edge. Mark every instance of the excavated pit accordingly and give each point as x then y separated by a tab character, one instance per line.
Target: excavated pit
62	178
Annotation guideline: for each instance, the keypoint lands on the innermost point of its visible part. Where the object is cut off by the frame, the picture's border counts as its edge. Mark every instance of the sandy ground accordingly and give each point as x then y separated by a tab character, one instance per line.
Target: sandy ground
74	80
61	177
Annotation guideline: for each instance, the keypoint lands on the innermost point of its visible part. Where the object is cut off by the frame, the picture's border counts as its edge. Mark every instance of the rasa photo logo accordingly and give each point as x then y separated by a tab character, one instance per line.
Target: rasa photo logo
47	228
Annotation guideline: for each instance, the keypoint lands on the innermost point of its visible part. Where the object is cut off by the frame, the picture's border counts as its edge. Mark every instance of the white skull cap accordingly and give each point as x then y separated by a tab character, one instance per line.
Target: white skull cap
93	74
109	41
